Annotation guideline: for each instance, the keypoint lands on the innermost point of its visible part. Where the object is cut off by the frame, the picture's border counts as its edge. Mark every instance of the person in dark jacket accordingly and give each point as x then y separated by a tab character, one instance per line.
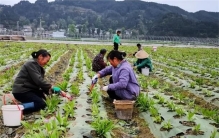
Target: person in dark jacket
29	86
98	62
143	61
139	48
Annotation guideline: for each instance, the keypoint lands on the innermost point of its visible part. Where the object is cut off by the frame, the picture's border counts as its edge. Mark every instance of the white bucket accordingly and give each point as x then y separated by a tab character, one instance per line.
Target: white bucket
12	115
145	71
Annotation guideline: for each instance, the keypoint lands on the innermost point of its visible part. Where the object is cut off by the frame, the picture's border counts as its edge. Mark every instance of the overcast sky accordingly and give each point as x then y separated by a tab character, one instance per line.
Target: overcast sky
188	5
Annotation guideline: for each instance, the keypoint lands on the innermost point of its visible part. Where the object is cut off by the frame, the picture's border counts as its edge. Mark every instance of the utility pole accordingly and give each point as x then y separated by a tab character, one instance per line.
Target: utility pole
17	25
40	29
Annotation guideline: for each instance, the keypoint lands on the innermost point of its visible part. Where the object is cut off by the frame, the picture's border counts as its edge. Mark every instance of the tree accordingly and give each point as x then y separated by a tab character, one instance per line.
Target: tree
72	29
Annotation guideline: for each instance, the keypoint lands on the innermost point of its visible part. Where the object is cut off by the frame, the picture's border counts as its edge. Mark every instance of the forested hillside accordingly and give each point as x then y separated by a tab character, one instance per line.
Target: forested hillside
144	18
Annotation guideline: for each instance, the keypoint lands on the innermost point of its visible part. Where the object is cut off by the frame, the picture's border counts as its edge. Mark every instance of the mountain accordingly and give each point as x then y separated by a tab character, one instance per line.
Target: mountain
145	18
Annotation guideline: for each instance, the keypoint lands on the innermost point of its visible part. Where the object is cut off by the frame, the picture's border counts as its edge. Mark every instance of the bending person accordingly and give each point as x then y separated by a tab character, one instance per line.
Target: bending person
123	83
98	62
143	61
29	86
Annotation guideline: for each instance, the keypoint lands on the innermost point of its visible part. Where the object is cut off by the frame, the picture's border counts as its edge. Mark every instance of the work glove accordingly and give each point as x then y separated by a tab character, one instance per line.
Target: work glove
105	88
56	90
94	79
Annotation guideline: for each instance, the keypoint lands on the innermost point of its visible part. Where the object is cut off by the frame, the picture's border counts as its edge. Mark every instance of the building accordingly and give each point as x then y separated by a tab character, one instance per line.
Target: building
58	34
27	30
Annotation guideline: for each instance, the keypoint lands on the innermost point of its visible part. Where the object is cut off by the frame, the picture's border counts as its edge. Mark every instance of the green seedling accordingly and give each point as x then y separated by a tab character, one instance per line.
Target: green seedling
167	125
181	97
214	134
192	84
216	119
191	104
196	128
157	96
199	81
95	110
2	62
66	77
95	96
190	116
151	102
180	112
208	113
75	89
103	127
154	84
154	111
143	102
144	84
62	121
171	106
161	100
69	108
63	85
157	119
52	104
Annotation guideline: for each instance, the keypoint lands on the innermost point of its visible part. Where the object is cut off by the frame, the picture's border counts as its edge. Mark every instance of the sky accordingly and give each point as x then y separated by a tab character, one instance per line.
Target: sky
188	5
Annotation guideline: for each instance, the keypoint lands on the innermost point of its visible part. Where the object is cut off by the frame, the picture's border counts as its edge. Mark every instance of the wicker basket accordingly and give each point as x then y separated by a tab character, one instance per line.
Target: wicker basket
124	109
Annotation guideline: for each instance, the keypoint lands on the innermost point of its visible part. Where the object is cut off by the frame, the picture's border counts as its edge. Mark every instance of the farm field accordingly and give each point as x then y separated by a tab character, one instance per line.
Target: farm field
179	99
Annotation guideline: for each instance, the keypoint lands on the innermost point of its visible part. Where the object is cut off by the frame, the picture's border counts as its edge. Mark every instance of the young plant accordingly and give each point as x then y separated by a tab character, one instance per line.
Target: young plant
192	85
180	112
63	85
66	77
95	96
171	106
75	89
180	97
154	111
154	84
214	134
62	121
52	104
69	108
190	116
167	125
161	100
95	110
143	102
157	119
196	128
103	127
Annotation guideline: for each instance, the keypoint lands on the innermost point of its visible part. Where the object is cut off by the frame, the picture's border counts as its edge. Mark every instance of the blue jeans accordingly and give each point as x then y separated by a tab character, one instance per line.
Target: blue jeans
31	96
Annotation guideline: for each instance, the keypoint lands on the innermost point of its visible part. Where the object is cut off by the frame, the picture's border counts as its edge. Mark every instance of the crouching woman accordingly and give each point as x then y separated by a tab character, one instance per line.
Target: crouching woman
123	83
143	61
29	86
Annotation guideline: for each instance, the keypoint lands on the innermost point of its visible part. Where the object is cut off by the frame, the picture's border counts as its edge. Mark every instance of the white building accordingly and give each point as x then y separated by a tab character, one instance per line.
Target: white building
58	34
27	30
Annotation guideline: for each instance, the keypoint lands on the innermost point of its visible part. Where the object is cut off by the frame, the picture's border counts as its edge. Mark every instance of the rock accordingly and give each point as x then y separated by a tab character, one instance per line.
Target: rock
4	136
10	131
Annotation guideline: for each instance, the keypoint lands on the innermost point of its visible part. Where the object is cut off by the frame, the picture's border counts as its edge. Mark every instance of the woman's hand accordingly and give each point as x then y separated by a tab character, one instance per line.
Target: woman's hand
105	88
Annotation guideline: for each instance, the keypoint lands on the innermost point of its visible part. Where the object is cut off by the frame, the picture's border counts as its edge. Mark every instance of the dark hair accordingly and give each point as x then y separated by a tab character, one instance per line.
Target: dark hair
114	53
42	52
103	51
118	31
138	45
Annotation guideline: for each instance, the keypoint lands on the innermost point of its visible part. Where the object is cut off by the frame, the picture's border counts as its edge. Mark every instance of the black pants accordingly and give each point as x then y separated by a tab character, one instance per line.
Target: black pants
112	94
116	46
36	97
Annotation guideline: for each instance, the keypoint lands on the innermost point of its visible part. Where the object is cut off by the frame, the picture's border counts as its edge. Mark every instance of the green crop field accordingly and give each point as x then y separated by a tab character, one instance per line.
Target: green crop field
179	99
